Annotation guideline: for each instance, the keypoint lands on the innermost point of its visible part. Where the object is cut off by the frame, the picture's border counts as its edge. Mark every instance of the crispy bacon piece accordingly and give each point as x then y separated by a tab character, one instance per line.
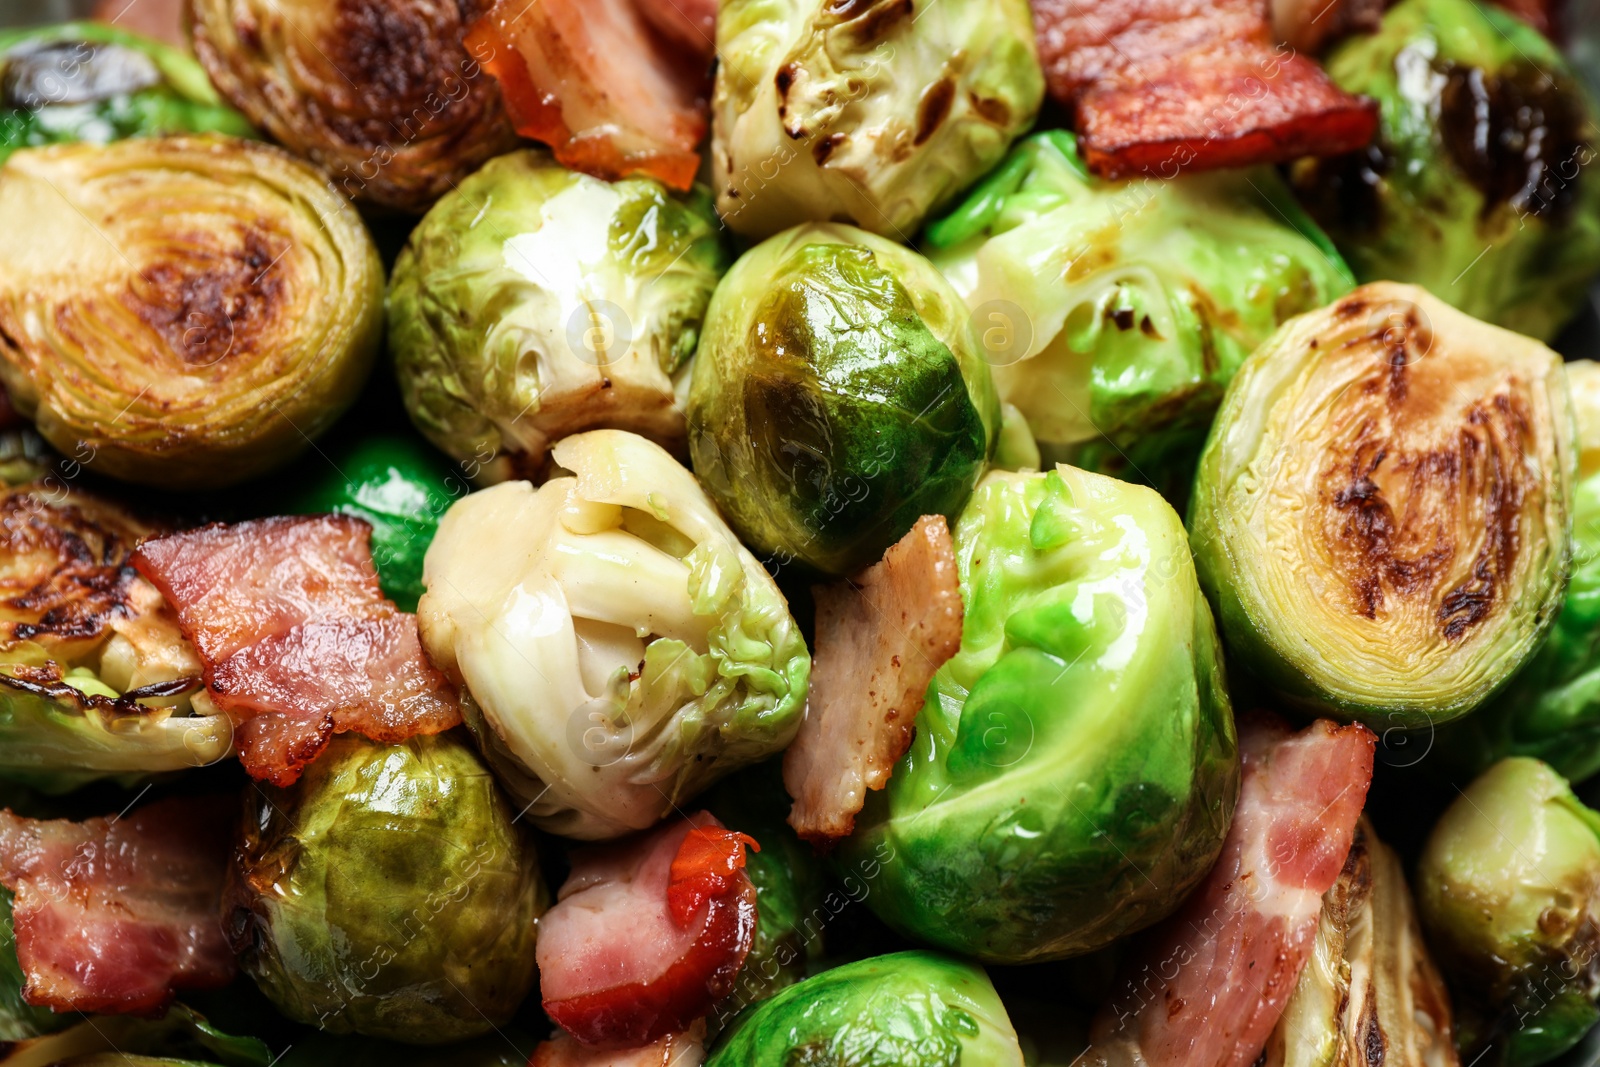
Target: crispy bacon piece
297	639
1209	983
1159	86
880	637
647	934
113	915
688	24
1308	25
674	1050
592	79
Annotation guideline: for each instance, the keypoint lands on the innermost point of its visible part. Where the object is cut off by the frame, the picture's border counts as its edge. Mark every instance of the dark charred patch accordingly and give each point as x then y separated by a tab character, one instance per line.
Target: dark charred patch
934	108
1503	496
393	51
1342	193
1374	1046
213	300
1123	317
995	112
1517	134
1148	328
784	81
823	150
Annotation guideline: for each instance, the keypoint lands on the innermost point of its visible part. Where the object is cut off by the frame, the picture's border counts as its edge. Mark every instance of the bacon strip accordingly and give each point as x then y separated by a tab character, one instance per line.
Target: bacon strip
675	1050
1210	982
296	637
597	83
880	637
646	935
1159	86
113	915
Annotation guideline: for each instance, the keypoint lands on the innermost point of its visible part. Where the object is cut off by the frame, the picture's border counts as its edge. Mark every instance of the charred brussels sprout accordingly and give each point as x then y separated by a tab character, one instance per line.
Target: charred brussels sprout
398	485
1509	890
1478	187
535	302
910	1009
1120	311
380	93
85	81
1381	513
389	893
94	672
1075	767
837	398
184	312
620	649
873	112
1551	709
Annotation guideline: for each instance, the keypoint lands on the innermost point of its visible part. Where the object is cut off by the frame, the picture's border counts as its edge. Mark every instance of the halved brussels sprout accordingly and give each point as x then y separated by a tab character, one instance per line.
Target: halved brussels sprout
389	893
1370	983
909	1009
1121	312
1551	709
620	649
94	672
1075	766
1381	515
399	486
184	312
87	81
1478	187
534	302
1509	890
381	94
837	397
874	112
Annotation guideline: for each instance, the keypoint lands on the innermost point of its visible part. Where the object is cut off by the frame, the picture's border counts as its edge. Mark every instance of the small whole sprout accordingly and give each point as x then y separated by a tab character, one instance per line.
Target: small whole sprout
875	112
1075	766
1508	886
534	302
837	397
1381	513
389	893
910	1009
1479	186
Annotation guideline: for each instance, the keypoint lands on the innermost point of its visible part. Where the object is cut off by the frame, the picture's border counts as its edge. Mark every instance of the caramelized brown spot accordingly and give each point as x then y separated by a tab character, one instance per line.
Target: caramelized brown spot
872	20
822	151
934	108
997	112
1503	496
209	300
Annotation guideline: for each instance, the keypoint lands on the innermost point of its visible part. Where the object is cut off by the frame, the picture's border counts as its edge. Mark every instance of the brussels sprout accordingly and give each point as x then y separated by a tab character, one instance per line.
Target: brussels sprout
184	312
837	398
94	672
1478	186
389	893
1370	983
379	93
1118	313
181	1036
1551	709
909	1009
620	649
505	1048
1075	765
86	81
398	485
1509	890
534	302
1381	512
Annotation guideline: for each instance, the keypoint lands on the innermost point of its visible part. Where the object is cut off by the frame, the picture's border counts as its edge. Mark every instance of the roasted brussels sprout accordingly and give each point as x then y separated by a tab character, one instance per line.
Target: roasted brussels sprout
875	113
86	81
389	893
1121	312
1509	890
1381	512
398	485
620	649
94	672
184	312
181	1037
1478	187
534	302
380	93
837	398
1551	709
1075	765
1370	983
910	1009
